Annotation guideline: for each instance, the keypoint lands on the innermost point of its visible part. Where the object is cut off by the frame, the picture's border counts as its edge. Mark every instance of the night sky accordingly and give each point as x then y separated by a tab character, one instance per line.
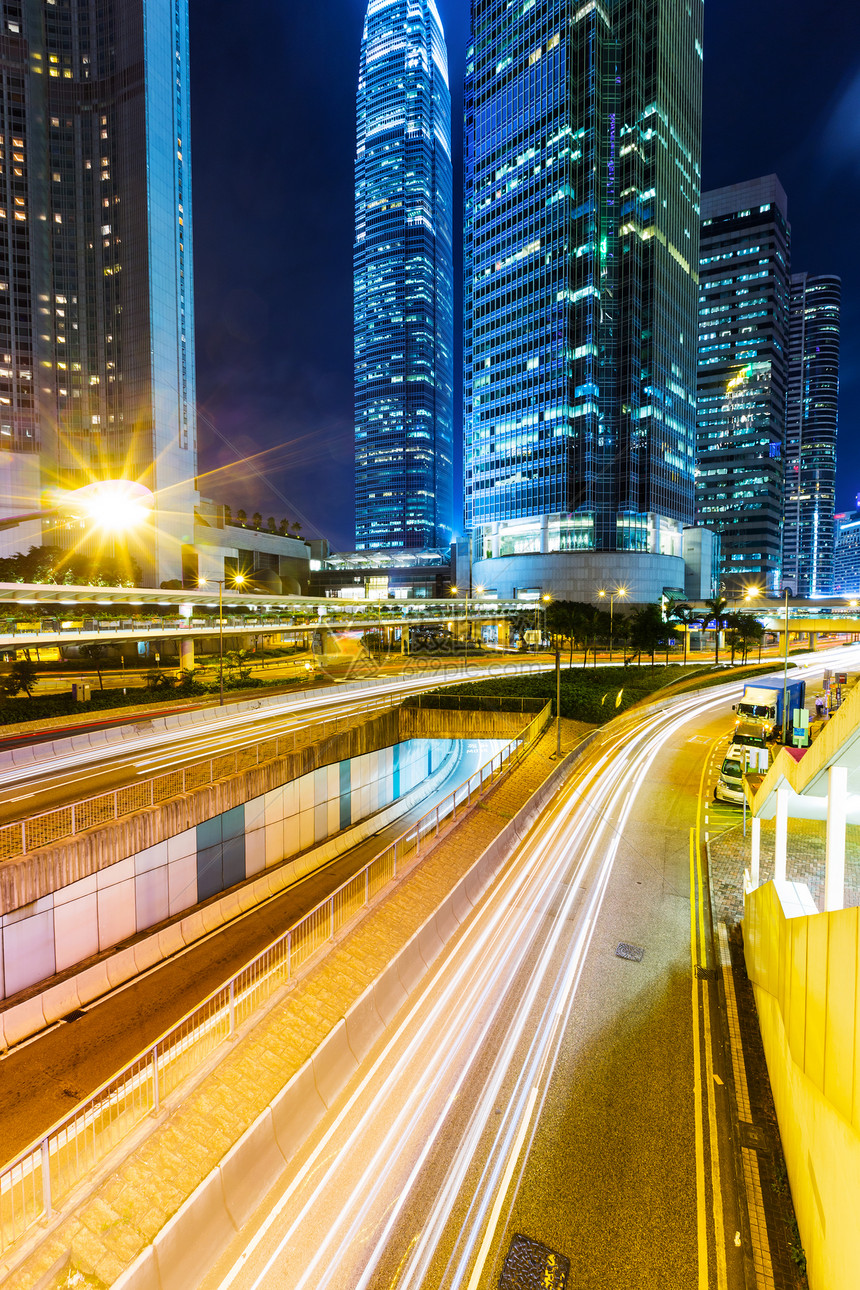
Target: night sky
273	106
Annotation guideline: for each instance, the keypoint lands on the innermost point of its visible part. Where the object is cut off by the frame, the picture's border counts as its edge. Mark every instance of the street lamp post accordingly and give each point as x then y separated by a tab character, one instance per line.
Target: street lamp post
238	580
618	592
785	678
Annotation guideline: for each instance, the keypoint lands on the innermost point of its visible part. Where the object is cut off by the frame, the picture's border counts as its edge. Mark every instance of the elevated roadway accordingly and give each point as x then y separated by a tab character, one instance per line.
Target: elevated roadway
65	773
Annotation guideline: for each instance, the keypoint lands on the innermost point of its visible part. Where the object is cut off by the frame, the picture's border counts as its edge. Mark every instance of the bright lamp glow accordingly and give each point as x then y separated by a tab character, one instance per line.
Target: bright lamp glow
113	505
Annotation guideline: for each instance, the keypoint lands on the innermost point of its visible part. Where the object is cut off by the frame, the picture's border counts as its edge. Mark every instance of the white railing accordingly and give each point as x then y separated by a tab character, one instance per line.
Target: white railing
34	1184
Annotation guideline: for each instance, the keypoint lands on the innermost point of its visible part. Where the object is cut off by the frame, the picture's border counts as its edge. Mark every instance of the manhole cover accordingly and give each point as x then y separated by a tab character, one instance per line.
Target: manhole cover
532	1266
634	953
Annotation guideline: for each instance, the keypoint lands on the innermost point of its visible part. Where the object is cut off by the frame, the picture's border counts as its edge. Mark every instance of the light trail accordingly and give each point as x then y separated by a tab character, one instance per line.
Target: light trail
297	710
459	1006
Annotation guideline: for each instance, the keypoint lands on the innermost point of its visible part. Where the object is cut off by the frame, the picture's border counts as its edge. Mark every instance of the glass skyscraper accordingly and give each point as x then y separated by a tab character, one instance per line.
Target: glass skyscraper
810	435
403	264
96	297
582	171
743	372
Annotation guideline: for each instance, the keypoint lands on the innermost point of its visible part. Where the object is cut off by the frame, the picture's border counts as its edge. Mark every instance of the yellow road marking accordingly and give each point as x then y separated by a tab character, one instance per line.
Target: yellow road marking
703	998
697	1082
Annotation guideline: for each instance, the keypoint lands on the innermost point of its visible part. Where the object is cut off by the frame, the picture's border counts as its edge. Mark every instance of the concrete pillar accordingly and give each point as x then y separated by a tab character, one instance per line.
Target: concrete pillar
755	858
504	633
186	655
544	534
812	639
834	863
404	640
780	842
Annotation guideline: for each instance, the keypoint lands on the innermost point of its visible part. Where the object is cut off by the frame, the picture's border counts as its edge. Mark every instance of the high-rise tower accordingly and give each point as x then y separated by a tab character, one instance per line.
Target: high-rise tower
808	539
96	297
743	372
582	155
403	280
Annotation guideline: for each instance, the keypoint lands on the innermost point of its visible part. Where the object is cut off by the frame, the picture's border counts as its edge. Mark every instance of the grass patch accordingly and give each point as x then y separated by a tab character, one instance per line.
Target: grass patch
594	694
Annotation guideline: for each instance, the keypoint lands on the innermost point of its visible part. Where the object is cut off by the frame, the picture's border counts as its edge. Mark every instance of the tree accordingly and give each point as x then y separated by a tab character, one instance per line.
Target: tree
257	520
242	518
297	528
284	528
749	632
684	615
717	611
95	651
561	621
270	524
647	629
21	676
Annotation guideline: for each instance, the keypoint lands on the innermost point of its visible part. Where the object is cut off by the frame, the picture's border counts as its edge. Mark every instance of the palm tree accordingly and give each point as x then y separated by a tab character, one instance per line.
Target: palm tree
684	615
717	610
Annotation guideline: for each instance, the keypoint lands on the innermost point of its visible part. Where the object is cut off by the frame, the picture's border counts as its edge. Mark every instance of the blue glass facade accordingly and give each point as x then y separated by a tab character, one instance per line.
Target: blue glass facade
582	152
743	369
403	264
808	539
95	252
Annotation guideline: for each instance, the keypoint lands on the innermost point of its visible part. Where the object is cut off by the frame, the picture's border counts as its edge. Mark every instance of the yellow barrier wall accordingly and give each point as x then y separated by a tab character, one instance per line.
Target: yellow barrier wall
804	972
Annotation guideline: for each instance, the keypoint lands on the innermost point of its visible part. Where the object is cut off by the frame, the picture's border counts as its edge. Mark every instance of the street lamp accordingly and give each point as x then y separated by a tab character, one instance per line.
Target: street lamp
238	581
480	591
751	594
613	595
785	678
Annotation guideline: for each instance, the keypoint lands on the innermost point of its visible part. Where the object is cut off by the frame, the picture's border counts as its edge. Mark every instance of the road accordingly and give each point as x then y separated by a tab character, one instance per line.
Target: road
142	752
541	1086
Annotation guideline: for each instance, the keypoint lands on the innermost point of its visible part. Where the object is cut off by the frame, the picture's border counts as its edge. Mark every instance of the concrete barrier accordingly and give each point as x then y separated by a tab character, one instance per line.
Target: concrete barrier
363	1026
28	1018
186	1243
297	1110
334	1064
248	1168
389	994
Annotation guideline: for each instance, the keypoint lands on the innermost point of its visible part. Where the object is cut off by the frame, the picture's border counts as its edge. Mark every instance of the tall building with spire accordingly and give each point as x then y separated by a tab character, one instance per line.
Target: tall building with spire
96	292
582	171
808	539
403	267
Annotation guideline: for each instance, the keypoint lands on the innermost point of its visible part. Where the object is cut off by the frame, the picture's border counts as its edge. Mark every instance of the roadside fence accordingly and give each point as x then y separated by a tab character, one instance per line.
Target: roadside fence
33	1186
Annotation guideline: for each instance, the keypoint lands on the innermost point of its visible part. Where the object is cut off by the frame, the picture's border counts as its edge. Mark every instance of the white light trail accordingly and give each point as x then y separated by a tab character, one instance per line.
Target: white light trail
463	997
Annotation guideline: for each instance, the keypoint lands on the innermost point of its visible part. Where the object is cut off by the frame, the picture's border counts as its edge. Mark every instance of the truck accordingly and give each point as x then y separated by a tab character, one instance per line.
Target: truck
761	703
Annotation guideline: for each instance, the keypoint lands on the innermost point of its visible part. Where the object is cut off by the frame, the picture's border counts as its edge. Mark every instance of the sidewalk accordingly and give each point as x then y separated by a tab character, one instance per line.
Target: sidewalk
124	1212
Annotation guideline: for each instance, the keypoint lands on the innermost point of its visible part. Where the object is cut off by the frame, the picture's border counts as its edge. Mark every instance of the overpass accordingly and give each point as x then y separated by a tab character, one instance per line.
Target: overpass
34	616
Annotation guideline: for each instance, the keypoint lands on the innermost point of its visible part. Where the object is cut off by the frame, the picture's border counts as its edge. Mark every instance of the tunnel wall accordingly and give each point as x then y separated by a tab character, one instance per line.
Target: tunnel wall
79	919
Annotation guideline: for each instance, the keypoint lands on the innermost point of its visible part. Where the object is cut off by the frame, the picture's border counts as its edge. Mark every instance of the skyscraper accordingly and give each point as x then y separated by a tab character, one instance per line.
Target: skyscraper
810	440
96	300
582	153
403	264
745	266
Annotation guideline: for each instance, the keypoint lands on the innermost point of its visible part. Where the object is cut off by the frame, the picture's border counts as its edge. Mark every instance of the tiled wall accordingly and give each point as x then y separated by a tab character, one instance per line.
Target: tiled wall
97	912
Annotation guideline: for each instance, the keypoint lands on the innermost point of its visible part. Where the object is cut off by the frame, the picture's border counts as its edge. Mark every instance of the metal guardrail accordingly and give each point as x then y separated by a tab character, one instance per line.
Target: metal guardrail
37	1180
41	830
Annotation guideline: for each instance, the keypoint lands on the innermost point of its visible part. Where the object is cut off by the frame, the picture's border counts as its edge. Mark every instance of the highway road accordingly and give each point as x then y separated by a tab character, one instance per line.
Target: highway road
143	752
545	1098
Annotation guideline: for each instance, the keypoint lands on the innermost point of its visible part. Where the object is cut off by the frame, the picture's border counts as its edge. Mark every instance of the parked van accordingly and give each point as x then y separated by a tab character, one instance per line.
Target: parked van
730	785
